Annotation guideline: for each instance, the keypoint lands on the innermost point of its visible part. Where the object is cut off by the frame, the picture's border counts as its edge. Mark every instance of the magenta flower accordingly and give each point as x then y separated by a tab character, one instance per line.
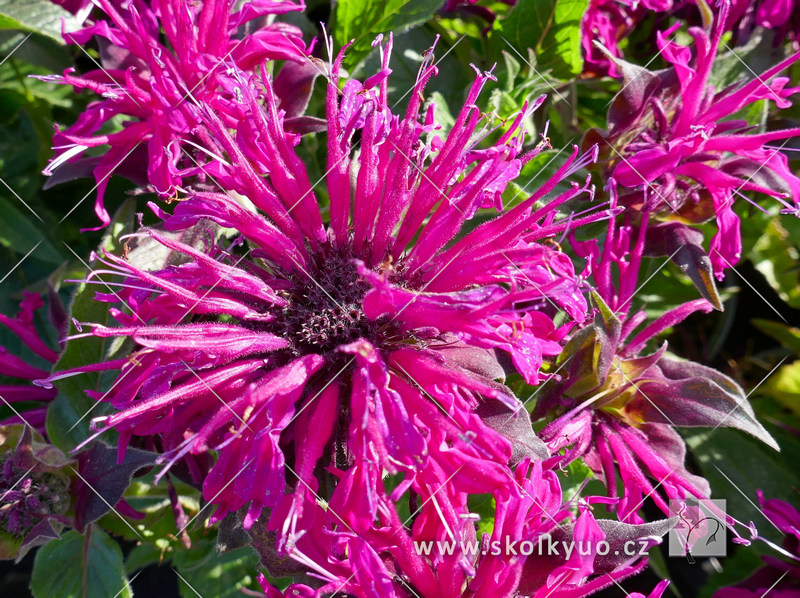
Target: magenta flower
778	15
17	395
619	407
380	330
607	22
537	547
672	153
161	87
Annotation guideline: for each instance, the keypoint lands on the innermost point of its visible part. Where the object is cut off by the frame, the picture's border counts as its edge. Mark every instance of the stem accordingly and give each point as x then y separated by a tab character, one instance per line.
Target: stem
87	541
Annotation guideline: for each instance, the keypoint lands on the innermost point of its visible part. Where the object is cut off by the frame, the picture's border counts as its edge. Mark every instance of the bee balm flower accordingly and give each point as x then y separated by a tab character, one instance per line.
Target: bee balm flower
365	341
674	151
157	83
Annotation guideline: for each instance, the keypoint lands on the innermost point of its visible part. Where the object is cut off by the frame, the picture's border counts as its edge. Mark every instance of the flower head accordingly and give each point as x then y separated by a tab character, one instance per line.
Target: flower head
778	15
618	408
159	86
674	153
381	330
607	22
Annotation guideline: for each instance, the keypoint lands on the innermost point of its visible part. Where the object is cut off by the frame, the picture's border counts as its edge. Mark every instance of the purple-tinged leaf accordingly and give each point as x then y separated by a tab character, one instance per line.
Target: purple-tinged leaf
638	86
644	536
264	542
475	359
102	480
516	427
687	394
303	125
41	534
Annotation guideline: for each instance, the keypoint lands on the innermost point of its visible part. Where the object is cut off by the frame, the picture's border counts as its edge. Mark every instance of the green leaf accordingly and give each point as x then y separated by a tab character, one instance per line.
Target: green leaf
756	56
37	16
69	414
552	28
36	56
482	505
158	526
787	336
453	79
363	20
573	478
143	555
776	256
223	575
80	566
38	53
738	465
784	386
18	148
19	234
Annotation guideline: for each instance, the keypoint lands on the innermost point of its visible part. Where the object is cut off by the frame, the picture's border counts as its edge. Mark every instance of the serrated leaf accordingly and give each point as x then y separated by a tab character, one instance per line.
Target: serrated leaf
79	566
552	28
363	20
38	16
69	414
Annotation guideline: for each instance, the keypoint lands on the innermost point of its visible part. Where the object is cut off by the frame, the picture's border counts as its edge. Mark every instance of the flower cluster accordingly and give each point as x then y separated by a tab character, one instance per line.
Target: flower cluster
606	23
34	491
675	153
621	408
161	85
390	348
342	367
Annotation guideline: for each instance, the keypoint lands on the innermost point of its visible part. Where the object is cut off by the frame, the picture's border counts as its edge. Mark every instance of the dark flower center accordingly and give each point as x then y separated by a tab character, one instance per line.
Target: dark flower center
325	307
